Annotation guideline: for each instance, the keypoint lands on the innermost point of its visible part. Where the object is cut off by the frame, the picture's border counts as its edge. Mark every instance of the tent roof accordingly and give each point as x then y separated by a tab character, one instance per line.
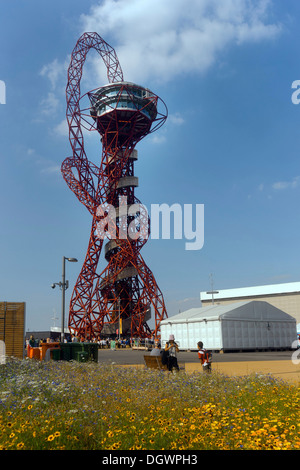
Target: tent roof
247	310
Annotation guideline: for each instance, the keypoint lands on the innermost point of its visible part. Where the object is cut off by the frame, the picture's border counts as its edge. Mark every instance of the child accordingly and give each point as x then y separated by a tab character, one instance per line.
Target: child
205	357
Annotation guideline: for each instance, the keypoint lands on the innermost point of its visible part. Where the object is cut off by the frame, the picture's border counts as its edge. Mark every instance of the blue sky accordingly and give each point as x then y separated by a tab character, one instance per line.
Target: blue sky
231	141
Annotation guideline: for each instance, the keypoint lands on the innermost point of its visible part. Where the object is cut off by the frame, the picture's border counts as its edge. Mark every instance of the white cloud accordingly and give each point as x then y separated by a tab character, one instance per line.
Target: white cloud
62	129
50	104
158	138
50	170
176	119
55	72
44	165
157	40
279	185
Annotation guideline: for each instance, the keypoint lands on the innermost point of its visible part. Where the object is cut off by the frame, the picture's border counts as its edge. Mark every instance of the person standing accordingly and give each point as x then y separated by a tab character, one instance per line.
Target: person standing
205	357
172	349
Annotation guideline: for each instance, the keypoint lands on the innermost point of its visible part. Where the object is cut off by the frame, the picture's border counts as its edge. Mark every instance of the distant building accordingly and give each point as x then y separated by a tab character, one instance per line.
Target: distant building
53	334
286	297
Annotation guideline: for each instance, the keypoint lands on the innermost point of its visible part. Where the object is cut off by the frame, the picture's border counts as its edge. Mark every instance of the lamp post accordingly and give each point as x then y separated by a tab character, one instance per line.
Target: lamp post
63	285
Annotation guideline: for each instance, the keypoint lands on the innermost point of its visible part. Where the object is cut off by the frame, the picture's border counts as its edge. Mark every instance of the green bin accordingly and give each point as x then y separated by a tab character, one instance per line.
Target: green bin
92	349
76	348
66	351
82	356
55	354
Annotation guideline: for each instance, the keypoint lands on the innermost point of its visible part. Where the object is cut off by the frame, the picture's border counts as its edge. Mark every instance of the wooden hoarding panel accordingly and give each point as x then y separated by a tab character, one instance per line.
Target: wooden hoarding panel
12	327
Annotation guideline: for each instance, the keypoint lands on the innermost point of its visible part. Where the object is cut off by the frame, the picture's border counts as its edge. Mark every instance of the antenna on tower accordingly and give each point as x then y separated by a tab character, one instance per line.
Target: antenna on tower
54	317
212	291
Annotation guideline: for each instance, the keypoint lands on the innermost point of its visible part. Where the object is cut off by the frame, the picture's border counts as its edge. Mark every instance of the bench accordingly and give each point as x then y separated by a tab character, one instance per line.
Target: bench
154	362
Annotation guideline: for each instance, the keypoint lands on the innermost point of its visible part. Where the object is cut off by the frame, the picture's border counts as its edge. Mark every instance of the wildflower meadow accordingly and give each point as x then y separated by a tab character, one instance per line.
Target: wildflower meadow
87	406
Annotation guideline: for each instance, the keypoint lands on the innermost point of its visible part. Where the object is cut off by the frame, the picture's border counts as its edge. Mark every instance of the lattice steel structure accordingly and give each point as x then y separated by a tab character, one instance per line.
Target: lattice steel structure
124	293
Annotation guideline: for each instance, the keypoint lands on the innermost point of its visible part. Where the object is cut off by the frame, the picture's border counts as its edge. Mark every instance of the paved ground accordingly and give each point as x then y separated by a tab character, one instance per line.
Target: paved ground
133	356
278	363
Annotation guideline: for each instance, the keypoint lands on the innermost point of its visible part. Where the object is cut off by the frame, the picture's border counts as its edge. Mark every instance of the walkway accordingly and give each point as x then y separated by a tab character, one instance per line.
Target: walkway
276	363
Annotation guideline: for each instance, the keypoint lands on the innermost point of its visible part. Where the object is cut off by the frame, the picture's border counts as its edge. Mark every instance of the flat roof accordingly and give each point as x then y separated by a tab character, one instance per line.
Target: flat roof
286	288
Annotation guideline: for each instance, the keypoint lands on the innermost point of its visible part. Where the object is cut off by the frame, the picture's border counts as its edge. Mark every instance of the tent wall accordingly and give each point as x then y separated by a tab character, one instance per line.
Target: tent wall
187	334
231	334
239	334
241	326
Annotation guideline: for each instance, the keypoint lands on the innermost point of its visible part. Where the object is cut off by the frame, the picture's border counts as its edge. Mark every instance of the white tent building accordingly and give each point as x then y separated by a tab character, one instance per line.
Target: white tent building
240	325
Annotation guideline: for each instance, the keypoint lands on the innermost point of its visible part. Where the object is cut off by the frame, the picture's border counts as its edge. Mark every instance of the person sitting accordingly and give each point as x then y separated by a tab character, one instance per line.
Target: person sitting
156	351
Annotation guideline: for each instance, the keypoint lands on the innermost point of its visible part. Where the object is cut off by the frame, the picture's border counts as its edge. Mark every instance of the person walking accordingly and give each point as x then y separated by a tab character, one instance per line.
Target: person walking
172	349
205	357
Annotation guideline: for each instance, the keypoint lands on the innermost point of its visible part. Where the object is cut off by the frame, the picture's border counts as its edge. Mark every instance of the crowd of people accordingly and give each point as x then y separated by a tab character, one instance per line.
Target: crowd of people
168	353
103	343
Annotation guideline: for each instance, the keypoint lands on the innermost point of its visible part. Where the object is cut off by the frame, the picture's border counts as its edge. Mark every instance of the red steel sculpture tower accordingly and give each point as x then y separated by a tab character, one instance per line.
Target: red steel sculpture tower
122	296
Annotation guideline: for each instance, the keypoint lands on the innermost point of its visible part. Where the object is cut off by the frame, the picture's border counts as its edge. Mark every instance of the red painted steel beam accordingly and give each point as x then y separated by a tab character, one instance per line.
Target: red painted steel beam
125	290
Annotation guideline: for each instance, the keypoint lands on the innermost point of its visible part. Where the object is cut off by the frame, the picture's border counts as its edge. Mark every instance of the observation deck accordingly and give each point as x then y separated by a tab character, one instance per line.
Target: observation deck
123	111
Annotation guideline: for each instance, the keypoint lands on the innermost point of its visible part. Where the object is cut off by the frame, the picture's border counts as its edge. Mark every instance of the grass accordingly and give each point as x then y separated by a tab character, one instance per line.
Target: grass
86	406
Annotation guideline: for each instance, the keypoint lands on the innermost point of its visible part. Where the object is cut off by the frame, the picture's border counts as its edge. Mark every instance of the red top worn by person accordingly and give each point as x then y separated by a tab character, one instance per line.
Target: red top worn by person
205	357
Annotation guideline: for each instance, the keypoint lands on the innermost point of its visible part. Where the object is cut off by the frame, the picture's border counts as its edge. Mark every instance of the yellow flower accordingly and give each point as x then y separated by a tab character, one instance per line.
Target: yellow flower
50	438
29	407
